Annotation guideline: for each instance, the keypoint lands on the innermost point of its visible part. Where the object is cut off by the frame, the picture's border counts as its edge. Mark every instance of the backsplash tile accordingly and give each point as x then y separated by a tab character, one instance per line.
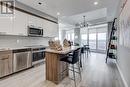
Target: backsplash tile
18	41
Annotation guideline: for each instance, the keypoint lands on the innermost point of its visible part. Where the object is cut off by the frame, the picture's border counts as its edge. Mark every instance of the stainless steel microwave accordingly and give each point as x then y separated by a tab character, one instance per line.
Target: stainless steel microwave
35	32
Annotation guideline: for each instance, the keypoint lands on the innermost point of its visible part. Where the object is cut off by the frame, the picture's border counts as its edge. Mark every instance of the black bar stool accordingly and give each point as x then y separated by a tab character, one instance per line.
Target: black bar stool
73	59
83	52
87	49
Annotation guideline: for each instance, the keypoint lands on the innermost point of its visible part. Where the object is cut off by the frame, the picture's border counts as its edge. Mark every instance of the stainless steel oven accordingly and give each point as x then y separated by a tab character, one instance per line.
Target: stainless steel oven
32	31
38	55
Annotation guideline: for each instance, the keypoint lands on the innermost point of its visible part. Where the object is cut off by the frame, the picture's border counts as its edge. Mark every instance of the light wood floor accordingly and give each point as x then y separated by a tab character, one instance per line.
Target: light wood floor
96	73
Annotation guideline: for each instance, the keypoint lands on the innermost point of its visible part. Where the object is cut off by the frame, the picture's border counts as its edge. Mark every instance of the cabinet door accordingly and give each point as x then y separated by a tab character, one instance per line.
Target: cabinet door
46	28
32	20
50	29
54	30
20	23
40	22
5	65
6	25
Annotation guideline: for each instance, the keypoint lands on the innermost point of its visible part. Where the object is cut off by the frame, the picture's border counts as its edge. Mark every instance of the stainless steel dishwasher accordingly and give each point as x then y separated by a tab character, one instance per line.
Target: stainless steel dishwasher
22	59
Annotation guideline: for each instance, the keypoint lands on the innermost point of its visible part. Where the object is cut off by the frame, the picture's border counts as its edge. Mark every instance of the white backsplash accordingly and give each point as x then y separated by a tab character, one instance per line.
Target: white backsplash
17	41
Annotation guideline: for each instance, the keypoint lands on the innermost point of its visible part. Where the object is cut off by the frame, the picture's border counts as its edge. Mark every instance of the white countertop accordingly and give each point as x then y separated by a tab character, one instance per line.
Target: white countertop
64	51
20	47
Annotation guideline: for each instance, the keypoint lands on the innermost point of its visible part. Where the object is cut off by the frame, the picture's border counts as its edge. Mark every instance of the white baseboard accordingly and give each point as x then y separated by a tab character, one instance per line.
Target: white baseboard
122	76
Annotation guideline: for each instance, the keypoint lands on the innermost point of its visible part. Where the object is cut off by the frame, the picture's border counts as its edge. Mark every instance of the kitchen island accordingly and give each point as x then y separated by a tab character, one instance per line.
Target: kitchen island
54	66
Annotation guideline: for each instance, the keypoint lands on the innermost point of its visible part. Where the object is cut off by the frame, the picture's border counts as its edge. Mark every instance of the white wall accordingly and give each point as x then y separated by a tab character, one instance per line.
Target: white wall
123	62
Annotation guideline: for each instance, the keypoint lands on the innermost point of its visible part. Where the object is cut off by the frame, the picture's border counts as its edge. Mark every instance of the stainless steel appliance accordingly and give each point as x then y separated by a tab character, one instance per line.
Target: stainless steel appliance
22	59
38	54
32	31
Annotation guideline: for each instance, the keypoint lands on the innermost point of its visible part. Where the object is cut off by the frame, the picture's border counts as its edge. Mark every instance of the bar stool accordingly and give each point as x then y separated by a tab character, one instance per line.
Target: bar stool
83	51
73	59
87	49
80	58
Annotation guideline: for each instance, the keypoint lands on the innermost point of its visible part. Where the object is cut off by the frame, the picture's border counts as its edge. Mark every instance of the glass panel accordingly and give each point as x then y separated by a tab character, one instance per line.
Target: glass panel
72	36
83	39
68	37
101	41
92	40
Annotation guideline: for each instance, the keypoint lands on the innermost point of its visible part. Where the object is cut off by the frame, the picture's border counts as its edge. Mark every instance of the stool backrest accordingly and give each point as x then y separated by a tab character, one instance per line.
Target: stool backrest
76	56
82	50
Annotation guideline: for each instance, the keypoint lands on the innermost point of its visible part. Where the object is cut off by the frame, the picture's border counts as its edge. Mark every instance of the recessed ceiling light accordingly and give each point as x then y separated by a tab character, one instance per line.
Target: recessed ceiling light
39	3
58	13
95	3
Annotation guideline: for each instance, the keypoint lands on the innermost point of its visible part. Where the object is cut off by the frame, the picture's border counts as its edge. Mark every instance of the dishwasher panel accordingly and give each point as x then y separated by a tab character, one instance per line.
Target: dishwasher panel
22	61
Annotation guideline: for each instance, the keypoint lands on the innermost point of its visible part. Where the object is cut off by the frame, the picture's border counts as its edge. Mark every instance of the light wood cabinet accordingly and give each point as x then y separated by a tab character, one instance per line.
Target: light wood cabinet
5	63
54	68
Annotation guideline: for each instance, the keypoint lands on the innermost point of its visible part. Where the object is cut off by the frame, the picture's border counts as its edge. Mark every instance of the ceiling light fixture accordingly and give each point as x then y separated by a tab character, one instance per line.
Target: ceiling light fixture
84	23
95	3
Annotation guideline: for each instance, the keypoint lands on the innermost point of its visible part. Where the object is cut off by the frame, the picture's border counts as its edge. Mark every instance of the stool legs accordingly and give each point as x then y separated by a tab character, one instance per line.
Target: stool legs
74	76
81	61
79	70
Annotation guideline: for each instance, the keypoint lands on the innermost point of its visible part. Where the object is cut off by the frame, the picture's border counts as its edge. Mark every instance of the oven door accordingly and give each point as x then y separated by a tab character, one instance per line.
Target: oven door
38	57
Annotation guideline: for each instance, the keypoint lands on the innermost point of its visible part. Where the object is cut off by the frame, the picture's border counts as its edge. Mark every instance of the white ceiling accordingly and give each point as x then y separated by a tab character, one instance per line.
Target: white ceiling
75	8
92	17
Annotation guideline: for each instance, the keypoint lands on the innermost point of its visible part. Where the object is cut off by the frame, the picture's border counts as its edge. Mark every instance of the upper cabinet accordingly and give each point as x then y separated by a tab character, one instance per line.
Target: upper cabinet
6	25
32	20
50	29
20	23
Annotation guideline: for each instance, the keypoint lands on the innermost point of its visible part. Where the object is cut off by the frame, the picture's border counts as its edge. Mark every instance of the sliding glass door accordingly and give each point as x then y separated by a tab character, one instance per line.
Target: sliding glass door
92	41
98	38
95	36
101	42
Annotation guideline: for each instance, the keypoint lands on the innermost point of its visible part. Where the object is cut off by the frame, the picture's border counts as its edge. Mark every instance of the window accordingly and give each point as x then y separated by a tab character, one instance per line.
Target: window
92	41
70	35
84	39
96	37
84	36
6	7
101	41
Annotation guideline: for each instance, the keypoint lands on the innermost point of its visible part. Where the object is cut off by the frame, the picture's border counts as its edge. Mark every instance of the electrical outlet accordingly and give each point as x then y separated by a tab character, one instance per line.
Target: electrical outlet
18	41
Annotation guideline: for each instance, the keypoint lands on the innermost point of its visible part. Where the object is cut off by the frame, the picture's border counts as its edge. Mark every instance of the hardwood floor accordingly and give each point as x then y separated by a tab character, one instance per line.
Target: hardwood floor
96	73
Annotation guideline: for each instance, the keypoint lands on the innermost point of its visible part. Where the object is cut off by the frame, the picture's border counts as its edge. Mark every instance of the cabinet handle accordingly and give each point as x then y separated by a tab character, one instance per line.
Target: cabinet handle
4	58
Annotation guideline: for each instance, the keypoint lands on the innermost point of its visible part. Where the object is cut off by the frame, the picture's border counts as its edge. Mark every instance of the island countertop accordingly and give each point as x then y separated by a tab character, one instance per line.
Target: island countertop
65	50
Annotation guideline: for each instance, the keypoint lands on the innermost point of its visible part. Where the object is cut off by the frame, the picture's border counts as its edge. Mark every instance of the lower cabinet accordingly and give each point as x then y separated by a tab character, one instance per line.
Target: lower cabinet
5	64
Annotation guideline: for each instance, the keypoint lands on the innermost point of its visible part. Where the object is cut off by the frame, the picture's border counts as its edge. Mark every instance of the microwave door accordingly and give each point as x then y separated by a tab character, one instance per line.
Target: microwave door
35	32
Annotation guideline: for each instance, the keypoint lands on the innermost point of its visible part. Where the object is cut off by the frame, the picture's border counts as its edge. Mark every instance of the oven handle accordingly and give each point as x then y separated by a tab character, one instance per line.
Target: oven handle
38	51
